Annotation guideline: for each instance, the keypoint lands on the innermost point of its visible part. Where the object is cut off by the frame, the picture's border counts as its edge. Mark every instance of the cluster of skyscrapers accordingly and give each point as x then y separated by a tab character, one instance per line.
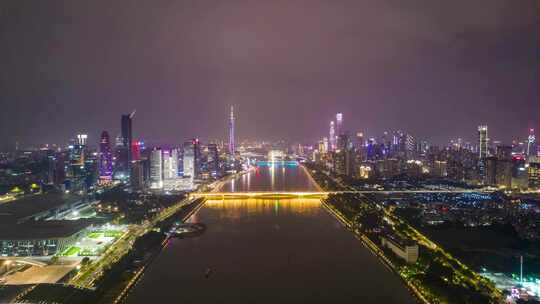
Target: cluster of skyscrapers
398	153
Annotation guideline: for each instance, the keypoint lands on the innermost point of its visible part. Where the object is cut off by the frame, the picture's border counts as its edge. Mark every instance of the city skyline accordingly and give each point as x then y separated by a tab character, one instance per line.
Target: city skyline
309	151
451	75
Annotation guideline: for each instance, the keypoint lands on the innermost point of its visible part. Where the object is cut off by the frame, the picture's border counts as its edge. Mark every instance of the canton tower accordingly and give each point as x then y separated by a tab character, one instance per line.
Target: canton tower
231	132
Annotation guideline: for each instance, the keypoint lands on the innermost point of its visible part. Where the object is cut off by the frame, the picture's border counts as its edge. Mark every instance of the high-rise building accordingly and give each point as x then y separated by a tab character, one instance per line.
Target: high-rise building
530	142
76	154
135	150
232	147
504	152
321	147
332	136
81	139
105	158
156	169
534	172
483	154
137	174
339	124
191	158
125	156
482	141
213	159
170	164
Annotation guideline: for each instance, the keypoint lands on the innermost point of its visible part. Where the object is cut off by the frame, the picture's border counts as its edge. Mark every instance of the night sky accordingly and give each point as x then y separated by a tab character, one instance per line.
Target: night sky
436	69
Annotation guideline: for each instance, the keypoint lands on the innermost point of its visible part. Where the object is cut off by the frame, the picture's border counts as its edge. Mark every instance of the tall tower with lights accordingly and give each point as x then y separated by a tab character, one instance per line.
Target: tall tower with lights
530	142
483	141
339	124
332	136
105	158
232	147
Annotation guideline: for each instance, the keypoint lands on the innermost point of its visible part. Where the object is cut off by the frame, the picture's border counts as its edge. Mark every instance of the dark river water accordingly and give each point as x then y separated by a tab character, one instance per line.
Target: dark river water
268	251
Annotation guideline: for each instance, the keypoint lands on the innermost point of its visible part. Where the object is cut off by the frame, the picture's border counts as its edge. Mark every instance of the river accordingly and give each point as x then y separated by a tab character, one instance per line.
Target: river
268	251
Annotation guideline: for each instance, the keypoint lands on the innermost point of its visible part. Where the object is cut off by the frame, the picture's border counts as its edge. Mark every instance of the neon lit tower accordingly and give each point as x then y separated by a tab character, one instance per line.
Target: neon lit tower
231	132
332	136
530	141
105	158
483	142
339	124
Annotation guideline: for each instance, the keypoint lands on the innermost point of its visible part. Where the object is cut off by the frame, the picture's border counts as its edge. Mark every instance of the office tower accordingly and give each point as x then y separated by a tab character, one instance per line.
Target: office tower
105	158
504	152
125	156
135	150
343	141
213	159
232	147
191	158
137	175
81	139
156	169
60	169
534	172
76	153
167	164
170	164
174	163
339	124
530	142
483	154
326	145
321	147
483	141
332	136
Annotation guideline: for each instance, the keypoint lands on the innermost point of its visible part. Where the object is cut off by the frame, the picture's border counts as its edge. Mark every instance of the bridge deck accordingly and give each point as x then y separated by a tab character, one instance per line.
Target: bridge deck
320	194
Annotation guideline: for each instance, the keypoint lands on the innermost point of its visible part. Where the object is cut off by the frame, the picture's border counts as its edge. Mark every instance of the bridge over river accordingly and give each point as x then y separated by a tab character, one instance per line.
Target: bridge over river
270	241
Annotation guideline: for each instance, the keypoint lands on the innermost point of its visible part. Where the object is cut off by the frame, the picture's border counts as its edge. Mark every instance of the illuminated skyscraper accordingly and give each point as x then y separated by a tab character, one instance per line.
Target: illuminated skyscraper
213	159
332	136
81	139
483	142
321	147
156	169
339	124
191	159
105	158
483	153
170	164
530	142
232	147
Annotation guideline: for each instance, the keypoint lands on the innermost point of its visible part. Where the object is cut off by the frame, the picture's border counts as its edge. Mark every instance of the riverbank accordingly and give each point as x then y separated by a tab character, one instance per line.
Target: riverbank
184	215
116	280
436	277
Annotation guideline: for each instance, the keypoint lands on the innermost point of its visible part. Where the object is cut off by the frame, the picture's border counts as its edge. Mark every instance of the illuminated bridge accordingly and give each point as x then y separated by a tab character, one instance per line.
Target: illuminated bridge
322	194
261	195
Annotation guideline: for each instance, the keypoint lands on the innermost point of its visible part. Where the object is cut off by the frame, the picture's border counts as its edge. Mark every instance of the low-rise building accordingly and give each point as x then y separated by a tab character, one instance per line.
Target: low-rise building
40	238
403	248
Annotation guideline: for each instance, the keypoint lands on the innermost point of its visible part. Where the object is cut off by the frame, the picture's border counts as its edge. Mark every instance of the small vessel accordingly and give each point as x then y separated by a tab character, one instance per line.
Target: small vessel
186	230
207	273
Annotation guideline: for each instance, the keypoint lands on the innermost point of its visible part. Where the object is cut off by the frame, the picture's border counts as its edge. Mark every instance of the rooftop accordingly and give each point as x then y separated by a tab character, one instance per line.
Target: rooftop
36	230
34	204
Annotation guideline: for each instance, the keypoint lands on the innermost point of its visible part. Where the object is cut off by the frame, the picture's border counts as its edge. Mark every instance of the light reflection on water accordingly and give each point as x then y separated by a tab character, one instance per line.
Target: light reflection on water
268	251
237	208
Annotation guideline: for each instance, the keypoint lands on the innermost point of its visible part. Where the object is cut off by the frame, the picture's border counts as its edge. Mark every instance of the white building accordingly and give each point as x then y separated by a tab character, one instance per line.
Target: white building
170	164
156	169
189	160
405	249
